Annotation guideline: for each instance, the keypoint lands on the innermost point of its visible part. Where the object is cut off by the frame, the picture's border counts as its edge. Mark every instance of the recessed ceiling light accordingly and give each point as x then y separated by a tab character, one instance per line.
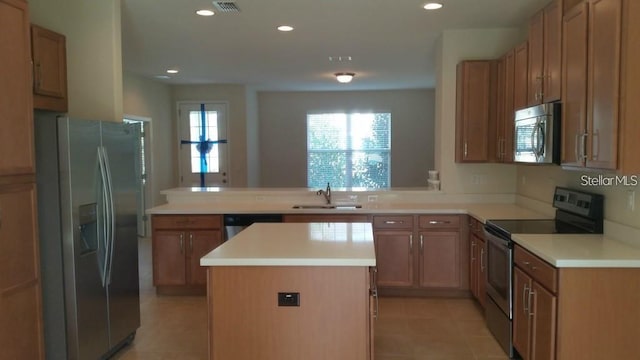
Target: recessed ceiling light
163	77
205	12
285	28
432	6
172	71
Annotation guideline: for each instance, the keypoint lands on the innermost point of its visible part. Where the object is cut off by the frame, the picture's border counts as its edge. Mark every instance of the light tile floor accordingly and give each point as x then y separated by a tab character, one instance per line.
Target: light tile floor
175	327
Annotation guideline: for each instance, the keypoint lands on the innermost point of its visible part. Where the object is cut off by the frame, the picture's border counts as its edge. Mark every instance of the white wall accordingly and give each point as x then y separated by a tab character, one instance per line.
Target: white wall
453	47
283	145
235	96
94	55
253	139
539	182
151	99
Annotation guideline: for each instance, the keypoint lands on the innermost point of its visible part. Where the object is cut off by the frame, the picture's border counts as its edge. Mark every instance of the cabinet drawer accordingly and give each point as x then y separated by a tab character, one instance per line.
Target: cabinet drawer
187	221
476	227
393	222
537	268
439	221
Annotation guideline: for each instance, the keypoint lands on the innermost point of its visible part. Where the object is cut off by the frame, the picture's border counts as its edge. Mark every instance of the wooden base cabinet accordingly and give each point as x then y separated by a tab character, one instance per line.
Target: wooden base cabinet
477	261
574	313
420	254
179	241
21	331
333	319
393	236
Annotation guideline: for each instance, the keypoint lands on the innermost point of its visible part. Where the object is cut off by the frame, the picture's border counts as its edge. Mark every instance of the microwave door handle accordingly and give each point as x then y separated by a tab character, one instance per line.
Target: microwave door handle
541	138
534	138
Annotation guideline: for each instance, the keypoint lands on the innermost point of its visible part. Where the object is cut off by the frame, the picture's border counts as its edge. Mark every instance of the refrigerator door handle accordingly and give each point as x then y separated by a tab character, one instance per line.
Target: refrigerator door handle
112	224
105	219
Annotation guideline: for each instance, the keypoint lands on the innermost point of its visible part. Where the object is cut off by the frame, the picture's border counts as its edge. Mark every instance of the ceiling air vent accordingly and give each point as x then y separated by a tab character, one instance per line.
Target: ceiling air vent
226	6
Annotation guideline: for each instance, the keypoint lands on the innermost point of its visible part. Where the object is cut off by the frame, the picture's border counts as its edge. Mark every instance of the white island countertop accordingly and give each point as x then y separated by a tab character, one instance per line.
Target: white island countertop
297	244
580	250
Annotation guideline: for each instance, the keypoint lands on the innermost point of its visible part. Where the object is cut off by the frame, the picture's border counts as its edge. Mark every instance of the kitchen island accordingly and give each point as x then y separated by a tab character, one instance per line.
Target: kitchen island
292	291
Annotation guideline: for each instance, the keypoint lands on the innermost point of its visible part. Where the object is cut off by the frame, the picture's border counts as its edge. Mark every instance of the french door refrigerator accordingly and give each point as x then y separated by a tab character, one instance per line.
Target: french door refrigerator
87	207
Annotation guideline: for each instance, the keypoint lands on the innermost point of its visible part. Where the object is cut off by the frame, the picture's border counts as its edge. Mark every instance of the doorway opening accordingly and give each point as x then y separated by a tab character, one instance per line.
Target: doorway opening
143	167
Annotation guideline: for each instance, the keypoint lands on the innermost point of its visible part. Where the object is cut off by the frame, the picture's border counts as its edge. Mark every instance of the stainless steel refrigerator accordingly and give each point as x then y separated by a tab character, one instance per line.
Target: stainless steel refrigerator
87	207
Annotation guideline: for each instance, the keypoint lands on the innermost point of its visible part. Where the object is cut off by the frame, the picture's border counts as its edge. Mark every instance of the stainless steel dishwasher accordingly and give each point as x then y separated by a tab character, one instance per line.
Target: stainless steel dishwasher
234	223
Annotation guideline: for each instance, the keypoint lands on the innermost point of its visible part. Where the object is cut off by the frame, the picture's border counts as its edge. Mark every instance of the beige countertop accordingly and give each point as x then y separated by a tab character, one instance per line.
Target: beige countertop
480	211
580	250
297	244
559	250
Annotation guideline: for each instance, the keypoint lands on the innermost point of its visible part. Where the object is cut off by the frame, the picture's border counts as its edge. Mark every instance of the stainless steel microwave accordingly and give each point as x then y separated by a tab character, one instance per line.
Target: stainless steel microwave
537	134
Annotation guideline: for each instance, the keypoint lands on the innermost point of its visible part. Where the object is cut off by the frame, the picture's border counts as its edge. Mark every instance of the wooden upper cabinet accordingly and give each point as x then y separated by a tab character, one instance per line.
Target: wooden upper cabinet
496	147
520	76
629	126
552	54
475	94
574	85
603	83
49	69
505	113
536	48
591	66
16	106
545	55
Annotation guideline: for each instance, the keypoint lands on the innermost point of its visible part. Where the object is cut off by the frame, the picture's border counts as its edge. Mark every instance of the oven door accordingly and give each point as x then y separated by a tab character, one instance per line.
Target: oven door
499	265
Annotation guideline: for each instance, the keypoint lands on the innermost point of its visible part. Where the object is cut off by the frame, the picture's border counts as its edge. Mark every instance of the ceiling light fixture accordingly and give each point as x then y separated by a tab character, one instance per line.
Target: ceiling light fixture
205	12
285	28
172	71
432	6
344	77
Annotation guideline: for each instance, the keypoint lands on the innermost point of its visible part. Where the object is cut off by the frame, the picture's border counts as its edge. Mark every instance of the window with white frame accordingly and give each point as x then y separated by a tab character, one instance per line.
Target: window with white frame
349	150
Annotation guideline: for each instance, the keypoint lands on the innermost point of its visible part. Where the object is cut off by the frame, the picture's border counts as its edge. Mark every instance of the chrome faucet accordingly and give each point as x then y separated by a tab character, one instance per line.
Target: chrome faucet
326	193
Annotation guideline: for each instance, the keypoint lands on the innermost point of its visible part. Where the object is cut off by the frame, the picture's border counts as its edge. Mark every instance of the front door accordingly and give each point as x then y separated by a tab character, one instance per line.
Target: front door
203	149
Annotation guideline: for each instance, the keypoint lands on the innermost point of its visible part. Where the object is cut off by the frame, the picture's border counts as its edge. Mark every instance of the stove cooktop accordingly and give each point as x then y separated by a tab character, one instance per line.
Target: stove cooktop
535	227
577	212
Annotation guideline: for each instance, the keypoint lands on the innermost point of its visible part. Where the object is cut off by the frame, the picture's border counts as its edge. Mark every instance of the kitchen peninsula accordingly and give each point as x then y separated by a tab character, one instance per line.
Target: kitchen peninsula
292	291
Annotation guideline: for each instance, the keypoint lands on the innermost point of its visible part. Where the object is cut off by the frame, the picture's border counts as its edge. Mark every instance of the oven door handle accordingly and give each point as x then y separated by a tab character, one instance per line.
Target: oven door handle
495	237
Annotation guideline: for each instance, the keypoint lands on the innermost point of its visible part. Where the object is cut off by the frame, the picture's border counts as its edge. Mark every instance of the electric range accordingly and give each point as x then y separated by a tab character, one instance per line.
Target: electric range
577	212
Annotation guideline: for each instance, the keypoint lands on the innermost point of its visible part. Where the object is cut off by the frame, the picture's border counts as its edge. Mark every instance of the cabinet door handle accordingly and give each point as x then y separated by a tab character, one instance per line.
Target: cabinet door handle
191	243
181	243
421	243
374	293
482	259
576	154
38	74
465	149
473	246
583	147
532	293
436	222
596	139
410	243
525	297
392	222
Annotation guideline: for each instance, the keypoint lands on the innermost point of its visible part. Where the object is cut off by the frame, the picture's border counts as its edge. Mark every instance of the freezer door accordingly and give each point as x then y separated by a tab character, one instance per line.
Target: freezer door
83	242
120	147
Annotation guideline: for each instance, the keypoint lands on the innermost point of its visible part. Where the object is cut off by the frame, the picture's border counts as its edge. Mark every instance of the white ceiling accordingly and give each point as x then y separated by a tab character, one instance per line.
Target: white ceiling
391	42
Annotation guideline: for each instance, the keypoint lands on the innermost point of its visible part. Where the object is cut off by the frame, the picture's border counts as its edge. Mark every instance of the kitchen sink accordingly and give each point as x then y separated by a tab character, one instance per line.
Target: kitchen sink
328	206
